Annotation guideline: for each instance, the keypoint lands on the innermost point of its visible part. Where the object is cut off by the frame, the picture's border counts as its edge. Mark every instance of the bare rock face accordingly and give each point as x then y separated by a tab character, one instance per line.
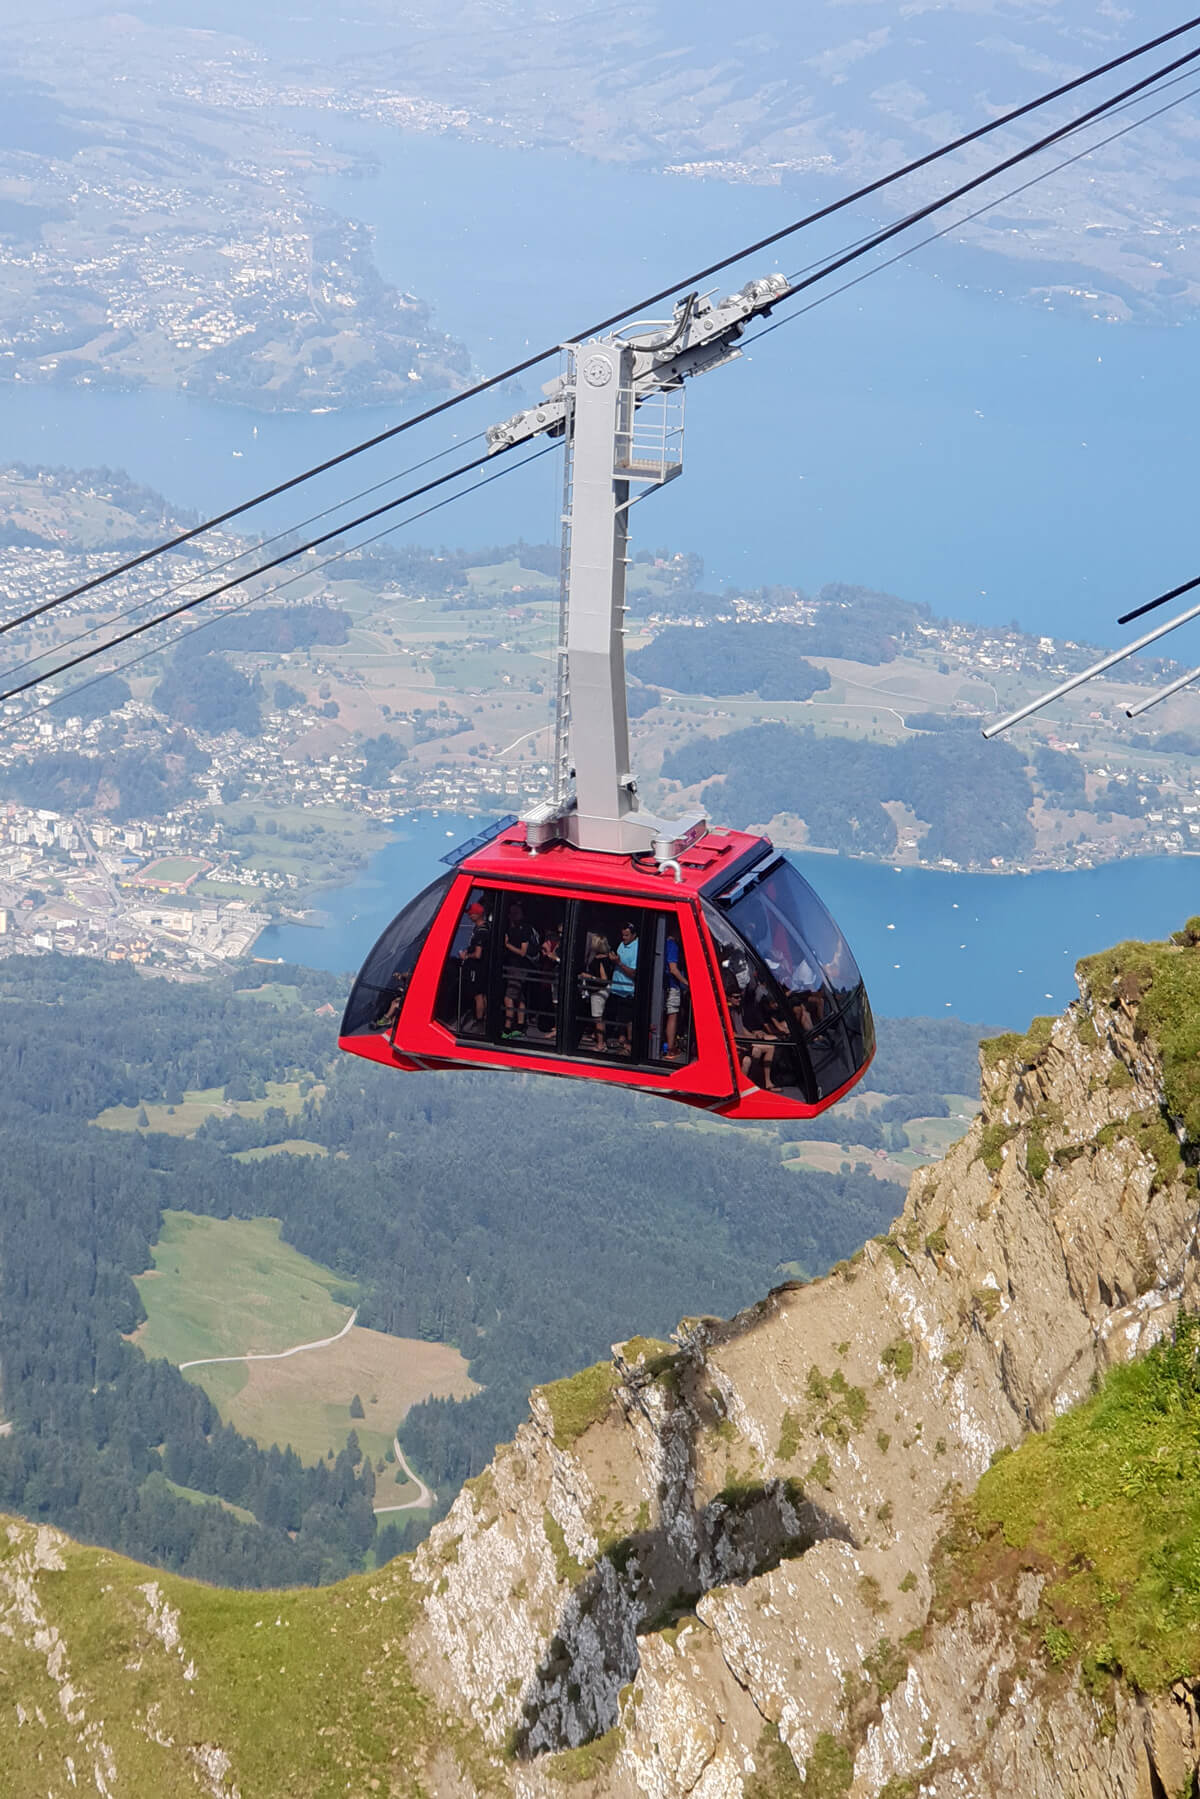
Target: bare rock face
715	1552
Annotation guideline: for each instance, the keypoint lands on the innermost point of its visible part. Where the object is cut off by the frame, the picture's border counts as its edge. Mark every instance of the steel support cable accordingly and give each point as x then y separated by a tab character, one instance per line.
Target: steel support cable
228	562
888	232
519	368
820	261
979	211
852	254
1105	663
263	568
1127	618
231	611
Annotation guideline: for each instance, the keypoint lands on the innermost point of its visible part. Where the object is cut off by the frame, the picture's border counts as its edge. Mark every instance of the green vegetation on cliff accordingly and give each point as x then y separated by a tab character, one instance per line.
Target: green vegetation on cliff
1106	1506
1162	982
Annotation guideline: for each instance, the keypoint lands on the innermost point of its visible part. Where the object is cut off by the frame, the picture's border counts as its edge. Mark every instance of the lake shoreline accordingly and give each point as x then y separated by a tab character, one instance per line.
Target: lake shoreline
995	946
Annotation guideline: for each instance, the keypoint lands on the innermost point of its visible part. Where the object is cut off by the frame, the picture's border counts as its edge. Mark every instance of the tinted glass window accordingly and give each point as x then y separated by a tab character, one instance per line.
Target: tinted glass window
464	993
609	961
838	1044
761	1018
529	946
782	918
378	993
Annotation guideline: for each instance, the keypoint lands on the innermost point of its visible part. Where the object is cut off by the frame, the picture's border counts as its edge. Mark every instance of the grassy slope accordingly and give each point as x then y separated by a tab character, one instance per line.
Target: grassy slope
200	1103
228	1286
1107	1503
1107	1506
306	1692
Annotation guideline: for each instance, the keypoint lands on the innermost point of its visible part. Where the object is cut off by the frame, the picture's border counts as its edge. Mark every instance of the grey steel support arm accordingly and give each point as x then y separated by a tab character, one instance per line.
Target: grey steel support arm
614	458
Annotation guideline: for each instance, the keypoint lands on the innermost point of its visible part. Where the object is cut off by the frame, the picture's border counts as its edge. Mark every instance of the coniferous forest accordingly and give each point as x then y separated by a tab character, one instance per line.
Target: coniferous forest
531	1223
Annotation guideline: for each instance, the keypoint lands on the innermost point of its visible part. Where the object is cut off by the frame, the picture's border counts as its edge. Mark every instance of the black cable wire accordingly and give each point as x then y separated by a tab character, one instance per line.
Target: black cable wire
247	575
957	224
1127	618
216	567
362	493
713	268
888	232
304	574
860	249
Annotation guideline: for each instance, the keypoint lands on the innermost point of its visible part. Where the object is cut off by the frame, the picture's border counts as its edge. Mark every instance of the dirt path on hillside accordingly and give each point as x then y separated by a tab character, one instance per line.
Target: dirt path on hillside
425	1495
275	1355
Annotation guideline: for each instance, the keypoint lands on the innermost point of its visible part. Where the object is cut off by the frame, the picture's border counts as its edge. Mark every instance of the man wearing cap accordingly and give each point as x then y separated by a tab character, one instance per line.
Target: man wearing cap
474	959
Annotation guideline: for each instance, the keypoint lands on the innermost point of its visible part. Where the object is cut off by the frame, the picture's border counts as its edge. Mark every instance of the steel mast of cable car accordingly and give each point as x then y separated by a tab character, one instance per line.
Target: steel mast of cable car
776	1021
619	405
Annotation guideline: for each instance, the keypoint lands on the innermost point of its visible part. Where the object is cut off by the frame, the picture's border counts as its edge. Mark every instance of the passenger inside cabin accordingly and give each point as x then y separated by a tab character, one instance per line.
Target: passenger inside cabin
549	958
594	984
676	985
518	941
763	1029
397	986
622	986
473	966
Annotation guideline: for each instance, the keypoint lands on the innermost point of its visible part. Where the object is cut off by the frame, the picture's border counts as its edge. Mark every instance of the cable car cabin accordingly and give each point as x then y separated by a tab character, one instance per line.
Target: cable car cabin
729	987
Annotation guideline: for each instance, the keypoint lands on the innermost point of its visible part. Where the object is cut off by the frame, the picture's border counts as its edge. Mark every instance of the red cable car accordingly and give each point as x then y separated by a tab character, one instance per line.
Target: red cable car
723	982
592	939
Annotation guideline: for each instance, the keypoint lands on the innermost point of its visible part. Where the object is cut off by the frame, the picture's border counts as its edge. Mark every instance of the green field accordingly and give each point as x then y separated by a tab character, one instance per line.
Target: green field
291	1146
200	1103
159	1483
173	869
297	846
501	577
226	890
230	1286
276	994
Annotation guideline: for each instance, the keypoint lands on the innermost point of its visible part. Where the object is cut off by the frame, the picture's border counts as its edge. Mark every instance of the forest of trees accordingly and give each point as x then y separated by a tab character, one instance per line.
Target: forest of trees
279	628
531	1223
974	796
769	658
203	690
762	659
125	783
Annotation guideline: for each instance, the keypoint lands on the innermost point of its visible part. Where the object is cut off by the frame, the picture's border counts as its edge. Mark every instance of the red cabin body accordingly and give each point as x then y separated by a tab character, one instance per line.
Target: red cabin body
720	980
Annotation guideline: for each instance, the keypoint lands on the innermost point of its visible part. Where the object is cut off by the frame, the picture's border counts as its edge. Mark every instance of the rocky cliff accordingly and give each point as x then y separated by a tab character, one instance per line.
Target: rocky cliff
710	1562
770	1558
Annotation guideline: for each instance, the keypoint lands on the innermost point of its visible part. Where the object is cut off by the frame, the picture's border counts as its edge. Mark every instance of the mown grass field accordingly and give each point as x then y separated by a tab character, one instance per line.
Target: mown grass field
232	1287
171	868
291	1146
827	1158
226	890
305	1399
200	1103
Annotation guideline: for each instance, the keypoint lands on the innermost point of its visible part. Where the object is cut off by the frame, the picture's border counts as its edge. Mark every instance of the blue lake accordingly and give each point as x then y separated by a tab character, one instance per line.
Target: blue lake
939	440
994	949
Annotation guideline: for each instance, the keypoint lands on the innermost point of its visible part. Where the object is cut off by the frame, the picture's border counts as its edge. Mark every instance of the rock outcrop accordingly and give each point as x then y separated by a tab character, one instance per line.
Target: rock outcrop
711	1560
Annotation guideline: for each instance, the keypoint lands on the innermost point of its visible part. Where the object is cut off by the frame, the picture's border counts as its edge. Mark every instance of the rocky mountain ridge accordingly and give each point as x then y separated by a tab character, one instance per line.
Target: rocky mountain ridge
716	1557
729	1565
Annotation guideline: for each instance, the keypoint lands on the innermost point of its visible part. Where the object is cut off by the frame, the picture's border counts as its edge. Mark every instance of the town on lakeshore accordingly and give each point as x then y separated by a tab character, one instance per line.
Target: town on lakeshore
165	814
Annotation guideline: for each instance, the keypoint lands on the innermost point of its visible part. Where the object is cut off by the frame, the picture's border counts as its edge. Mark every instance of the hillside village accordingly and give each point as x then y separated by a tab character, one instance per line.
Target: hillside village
436	697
